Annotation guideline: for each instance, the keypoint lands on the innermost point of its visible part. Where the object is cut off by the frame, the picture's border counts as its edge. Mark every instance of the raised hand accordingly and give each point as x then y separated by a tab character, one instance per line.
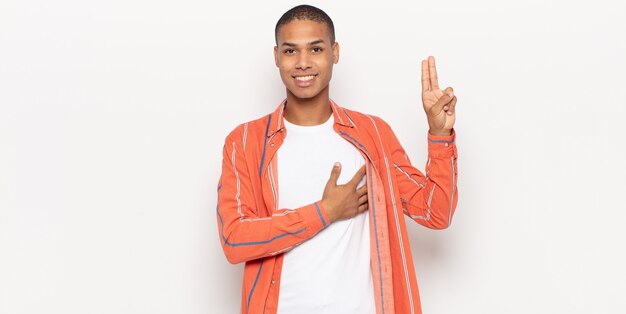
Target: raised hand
438	104
344	201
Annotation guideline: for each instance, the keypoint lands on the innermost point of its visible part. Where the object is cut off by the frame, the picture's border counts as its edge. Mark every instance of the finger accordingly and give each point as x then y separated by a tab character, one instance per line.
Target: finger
362	208
452	106
357	176
450	93
362	190
425	76
334	173
362	199
432	70
442	102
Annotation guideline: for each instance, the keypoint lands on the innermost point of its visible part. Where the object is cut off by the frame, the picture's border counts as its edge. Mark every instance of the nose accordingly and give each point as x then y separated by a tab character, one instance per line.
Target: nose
303	61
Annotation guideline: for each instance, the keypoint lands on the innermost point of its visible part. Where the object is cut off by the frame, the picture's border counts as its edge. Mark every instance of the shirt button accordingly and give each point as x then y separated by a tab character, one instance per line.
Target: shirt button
272	144
273	281
447	144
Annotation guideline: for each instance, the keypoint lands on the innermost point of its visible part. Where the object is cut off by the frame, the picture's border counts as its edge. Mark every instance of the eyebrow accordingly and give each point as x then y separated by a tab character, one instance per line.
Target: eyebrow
315	42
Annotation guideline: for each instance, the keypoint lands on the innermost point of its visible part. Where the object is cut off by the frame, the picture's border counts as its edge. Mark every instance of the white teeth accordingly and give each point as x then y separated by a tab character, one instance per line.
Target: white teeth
305	78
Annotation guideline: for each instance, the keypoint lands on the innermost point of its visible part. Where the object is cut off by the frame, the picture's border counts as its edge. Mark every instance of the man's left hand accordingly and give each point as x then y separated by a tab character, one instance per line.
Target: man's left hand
439	105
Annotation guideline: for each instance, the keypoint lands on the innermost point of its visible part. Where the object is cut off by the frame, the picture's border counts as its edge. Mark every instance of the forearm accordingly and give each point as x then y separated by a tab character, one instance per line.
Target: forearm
431	200
248	232
245	238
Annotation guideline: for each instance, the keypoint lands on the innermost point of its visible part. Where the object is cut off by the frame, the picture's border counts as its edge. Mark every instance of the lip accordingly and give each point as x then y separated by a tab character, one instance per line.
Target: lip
304	83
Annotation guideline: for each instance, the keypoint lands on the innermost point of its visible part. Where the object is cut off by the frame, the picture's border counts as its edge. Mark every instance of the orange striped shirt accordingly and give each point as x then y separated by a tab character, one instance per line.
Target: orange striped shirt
252	229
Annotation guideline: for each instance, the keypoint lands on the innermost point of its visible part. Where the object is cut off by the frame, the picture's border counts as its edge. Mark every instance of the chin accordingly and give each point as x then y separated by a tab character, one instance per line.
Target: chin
305	94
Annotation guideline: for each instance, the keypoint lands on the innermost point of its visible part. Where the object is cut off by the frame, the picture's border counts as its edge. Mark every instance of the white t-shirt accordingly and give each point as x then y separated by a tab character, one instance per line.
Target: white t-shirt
331	272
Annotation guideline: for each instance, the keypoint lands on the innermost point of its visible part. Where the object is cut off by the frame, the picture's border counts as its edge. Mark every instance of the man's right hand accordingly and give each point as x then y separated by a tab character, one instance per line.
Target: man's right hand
344	201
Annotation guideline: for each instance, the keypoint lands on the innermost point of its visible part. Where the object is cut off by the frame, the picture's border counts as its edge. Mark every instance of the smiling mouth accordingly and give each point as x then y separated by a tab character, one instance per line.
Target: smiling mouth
305	78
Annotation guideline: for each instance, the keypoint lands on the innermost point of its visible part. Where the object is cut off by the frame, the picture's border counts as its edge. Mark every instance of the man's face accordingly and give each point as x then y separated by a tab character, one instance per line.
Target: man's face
305	57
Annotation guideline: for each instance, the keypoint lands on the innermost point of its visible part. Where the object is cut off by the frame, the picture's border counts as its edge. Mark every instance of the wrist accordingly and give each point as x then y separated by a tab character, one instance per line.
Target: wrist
440	132
329	212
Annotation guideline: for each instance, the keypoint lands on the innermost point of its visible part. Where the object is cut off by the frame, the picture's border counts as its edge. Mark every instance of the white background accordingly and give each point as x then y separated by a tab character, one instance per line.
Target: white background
113	116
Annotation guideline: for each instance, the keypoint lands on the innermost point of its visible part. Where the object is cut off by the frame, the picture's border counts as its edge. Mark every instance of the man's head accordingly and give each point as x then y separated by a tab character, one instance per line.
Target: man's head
309	13
305	50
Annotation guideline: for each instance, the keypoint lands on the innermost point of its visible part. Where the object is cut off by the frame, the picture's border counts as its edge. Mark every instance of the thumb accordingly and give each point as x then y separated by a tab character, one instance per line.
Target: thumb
448	94
334	174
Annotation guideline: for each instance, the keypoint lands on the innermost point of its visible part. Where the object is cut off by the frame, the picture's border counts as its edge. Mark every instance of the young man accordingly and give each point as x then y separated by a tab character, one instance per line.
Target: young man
314	244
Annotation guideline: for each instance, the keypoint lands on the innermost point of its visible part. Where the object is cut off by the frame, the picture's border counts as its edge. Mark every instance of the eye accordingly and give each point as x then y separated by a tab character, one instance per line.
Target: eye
289	51
317	49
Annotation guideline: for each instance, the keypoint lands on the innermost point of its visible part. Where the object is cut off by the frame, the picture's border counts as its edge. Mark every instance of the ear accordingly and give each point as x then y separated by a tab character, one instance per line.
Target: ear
276	55
335	52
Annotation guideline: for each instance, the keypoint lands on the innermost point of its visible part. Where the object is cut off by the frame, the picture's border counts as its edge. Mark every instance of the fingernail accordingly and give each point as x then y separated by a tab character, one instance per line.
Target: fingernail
451	94
337	165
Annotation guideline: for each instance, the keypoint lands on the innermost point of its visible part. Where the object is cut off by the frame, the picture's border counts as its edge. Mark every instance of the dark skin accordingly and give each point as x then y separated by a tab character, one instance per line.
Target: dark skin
305	57
304	51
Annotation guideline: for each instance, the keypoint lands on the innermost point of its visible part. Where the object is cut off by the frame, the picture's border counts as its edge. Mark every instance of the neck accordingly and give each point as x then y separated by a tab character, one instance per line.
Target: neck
308	111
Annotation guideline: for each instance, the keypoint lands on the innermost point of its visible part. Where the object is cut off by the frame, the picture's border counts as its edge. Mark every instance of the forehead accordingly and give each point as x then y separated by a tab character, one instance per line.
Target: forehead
302	32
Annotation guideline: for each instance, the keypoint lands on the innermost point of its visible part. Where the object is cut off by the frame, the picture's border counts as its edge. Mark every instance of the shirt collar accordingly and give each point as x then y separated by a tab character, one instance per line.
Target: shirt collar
277	123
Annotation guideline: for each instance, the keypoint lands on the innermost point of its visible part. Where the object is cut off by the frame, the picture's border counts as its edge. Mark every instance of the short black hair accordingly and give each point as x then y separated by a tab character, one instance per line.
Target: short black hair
306	12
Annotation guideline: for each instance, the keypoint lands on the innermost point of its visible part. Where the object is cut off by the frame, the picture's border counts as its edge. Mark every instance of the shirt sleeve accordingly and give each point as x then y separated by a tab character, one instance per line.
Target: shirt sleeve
428	199
244	233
